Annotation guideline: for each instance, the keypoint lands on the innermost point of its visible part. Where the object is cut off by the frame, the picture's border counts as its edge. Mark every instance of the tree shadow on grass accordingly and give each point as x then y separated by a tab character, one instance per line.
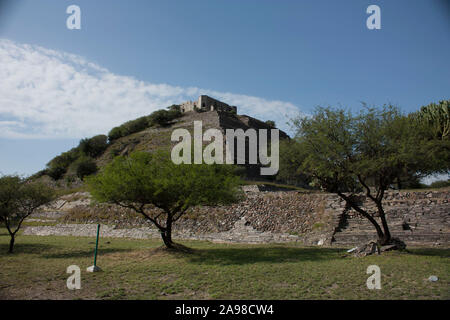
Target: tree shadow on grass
431	252
241	256
53	252
81	253
27	248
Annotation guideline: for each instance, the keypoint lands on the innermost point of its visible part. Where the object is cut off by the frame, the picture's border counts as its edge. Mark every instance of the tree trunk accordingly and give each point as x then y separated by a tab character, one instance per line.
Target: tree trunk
399	183
167	239
166	234
365	214
384	236
387	235
380	232
11	244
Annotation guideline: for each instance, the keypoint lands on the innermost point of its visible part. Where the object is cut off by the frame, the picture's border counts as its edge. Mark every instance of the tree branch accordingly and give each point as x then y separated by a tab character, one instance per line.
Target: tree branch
352	204
368	194
180	214
141	211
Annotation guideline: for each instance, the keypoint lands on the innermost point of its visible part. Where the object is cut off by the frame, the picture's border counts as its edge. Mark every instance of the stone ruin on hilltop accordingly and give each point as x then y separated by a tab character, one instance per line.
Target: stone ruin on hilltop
206	103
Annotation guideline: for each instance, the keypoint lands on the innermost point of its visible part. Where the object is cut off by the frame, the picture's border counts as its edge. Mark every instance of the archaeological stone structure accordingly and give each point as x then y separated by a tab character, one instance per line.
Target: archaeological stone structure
418	218
206	103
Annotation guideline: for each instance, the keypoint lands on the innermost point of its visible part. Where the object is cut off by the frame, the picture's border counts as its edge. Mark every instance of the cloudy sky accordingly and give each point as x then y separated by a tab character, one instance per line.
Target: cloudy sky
46	94
272	60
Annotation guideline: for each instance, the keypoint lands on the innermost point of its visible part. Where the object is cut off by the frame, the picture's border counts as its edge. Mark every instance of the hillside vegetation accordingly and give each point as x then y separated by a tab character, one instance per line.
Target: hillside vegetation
84	159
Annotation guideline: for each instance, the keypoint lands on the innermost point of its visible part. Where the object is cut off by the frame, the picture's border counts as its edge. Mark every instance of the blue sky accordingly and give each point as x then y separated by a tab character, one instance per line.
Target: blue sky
270	58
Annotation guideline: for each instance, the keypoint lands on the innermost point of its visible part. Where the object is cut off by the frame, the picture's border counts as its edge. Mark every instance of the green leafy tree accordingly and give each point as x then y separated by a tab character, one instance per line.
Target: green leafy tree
347	154
95	146
145	181
290	164
19	198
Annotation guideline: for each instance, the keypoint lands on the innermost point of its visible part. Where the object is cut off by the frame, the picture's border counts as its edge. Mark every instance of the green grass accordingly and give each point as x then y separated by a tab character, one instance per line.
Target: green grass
139	269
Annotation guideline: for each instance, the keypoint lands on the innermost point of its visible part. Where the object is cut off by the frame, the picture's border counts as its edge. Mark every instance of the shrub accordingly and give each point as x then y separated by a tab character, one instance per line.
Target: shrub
39	174
87	148
136	125
159	117
115	133
114	152
85	166
58	166
70	179
94	146
440	184
271	123
174	107
56	173
164	117
128	128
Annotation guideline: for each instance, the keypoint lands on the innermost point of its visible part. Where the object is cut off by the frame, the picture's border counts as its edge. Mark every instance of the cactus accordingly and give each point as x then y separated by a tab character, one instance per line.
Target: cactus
437	116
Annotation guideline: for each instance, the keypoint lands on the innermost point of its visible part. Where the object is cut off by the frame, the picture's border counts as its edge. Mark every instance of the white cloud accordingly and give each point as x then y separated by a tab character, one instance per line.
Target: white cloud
51	94
435	177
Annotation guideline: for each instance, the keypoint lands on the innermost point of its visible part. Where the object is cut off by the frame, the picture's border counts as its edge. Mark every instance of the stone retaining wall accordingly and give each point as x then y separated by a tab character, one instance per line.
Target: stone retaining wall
418	218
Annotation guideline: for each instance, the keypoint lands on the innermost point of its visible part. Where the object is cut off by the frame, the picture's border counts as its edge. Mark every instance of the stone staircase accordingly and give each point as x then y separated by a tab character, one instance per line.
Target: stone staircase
415	217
